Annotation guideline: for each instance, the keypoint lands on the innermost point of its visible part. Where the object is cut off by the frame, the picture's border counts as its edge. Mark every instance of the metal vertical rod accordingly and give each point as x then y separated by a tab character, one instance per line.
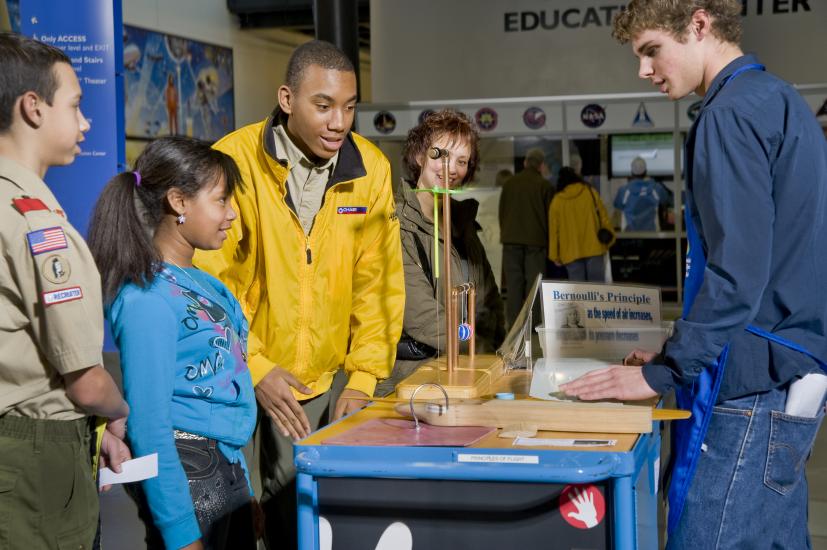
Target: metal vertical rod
450	312
455	314
472	311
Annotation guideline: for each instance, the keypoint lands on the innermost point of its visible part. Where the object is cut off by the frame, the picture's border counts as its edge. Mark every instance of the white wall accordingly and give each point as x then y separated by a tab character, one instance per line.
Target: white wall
259	57
436	49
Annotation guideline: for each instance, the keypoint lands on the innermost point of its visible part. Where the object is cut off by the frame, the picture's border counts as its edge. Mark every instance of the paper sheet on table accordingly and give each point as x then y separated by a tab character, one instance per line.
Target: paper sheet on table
396	432
137	469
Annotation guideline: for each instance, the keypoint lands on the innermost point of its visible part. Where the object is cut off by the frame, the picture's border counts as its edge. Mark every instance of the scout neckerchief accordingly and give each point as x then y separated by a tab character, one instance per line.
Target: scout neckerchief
688	435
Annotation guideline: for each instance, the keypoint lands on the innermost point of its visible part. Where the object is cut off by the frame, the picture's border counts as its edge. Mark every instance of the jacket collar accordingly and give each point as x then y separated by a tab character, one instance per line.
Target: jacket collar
572	190
721	78
350	165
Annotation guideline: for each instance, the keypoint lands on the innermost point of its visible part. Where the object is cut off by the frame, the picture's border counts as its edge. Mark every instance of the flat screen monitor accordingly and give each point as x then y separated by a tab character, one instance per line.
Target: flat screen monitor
657	149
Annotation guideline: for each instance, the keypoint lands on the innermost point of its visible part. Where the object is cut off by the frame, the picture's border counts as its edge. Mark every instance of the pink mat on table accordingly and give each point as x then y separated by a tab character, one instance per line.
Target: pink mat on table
395	432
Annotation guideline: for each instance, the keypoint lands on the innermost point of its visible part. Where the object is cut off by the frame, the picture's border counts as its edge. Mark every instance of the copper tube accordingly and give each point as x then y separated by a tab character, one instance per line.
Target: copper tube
455	315
472	296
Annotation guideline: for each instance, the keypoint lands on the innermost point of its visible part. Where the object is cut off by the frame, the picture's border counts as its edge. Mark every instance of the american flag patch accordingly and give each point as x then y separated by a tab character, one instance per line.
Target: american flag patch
46	240
352	210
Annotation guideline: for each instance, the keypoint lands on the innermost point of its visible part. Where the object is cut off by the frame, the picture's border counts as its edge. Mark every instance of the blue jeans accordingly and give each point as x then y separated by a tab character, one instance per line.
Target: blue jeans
591	269
750	490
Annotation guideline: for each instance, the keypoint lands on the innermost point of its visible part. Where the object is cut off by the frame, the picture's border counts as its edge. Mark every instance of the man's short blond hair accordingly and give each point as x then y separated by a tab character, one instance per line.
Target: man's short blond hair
674	16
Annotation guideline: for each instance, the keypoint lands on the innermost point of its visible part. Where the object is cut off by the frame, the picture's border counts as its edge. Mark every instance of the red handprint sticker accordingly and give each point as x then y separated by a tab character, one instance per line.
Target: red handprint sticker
582	506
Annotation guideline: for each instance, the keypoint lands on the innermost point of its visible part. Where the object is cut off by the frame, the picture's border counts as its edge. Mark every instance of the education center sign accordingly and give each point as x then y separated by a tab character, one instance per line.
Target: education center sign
432	49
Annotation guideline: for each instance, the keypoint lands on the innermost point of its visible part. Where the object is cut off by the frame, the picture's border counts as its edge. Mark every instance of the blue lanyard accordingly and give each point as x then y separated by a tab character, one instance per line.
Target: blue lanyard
784	342
725	81
739	70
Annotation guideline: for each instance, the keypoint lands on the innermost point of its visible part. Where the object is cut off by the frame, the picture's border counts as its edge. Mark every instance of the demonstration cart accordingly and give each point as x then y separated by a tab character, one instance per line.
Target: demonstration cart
490	495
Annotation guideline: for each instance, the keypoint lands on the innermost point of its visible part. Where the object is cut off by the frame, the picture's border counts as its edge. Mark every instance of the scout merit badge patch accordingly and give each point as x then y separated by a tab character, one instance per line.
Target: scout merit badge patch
46	240
55	268
62	295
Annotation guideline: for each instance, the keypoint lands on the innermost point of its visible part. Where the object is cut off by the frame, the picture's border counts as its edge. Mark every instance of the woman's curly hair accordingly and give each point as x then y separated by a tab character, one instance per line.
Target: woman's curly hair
436	125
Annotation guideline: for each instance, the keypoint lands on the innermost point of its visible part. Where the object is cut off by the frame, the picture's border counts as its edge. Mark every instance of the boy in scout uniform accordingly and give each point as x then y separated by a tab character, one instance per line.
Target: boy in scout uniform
51	320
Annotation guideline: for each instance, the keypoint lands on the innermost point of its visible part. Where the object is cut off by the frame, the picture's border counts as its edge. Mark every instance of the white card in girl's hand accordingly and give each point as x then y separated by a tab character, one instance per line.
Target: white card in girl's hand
137	469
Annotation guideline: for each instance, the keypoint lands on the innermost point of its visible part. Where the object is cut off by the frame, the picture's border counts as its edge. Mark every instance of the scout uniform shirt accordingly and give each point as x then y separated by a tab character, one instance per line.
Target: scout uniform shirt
51	316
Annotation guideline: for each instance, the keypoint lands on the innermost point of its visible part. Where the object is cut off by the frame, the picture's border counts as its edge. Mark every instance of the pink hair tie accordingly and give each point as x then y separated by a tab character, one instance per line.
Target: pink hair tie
137	178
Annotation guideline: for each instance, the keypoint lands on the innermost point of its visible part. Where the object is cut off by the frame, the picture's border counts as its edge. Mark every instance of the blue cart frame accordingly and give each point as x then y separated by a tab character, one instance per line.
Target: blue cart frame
633	476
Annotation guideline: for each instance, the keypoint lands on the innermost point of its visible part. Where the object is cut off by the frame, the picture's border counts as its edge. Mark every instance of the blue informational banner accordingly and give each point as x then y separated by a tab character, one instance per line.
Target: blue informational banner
90	33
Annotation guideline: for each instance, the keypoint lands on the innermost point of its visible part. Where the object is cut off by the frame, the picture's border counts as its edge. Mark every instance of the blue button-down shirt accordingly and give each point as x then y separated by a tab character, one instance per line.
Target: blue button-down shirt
757	192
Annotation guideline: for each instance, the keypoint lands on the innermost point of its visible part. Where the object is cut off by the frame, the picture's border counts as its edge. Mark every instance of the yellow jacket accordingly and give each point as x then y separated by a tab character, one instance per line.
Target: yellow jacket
319	302
573	224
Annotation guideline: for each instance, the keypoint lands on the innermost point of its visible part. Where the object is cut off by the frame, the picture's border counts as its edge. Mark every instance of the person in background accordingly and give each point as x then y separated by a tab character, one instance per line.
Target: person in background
748	355
51	318
524	205
575	216
502	176
499	180
423	330
316	263
183	342
639	200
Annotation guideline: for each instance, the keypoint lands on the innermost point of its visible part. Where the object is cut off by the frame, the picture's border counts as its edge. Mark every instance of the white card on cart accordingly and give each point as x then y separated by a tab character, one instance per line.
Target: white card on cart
137	469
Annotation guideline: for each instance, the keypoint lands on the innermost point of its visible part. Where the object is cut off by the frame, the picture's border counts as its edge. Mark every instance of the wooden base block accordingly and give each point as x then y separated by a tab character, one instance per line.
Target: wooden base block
468	381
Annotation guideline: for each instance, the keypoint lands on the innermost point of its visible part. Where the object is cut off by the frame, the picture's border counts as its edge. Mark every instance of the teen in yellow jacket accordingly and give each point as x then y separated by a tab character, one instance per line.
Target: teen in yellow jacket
315	260
331	299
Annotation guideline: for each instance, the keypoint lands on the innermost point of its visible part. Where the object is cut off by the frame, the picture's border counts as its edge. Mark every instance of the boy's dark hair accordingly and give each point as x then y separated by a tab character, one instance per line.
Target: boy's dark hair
27	66
316	52
129	209
447	122
674	16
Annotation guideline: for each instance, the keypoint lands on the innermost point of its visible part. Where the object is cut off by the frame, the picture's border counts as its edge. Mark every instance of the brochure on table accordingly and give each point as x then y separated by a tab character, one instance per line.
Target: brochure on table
588	326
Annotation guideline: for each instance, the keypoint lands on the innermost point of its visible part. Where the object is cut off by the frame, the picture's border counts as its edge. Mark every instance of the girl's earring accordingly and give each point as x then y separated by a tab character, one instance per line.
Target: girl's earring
181	219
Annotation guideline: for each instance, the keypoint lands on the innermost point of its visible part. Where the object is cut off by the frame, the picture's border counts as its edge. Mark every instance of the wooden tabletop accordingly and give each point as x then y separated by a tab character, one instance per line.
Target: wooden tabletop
625	442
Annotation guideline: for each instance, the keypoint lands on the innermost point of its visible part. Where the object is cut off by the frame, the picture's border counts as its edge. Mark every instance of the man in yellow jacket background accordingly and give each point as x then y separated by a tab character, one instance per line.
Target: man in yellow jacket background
315	260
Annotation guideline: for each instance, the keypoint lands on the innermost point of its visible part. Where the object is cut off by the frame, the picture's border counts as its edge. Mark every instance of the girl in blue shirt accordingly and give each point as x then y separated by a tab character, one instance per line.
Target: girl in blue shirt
182	338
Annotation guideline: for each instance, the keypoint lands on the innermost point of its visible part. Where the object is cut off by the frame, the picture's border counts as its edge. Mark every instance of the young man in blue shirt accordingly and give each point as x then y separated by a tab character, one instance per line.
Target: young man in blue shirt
752	334
639	199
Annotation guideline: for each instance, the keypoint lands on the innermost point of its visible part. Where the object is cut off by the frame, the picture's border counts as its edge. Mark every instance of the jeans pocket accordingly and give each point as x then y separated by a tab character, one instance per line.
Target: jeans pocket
198	460
791	439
